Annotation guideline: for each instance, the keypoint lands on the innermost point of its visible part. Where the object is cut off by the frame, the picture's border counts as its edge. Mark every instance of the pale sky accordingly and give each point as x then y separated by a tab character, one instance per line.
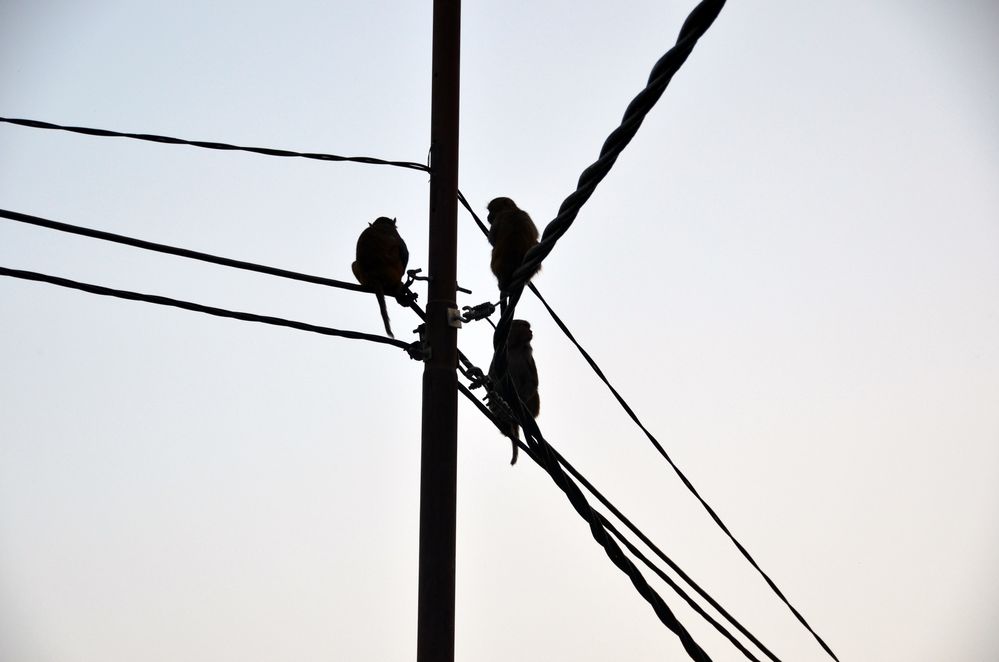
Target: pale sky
792	274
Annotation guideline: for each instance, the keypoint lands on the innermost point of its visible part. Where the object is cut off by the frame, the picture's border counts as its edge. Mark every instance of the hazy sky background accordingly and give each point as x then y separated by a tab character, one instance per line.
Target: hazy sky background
792	274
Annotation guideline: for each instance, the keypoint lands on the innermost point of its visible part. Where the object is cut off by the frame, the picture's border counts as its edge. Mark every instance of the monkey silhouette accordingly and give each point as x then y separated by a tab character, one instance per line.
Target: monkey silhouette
512	233
520	380
381	261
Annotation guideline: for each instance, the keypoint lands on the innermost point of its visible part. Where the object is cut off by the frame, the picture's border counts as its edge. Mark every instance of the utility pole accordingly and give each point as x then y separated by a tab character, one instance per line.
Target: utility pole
438	463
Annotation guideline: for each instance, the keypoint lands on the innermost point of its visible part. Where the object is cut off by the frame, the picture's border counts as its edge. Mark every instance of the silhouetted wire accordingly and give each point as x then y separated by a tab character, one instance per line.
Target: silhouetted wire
546	460
633	549
105	133
686	481
695	26
683	478
182	252
697	23
199	308
662	555
466	367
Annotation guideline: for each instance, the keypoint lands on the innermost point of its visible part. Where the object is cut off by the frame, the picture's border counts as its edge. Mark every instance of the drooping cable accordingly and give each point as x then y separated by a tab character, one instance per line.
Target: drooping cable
634	550
267	151
658	552
199	308
534	440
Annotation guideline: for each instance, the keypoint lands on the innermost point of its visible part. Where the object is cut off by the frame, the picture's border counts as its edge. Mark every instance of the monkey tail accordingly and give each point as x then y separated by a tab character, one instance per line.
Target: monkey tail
384	311
514	438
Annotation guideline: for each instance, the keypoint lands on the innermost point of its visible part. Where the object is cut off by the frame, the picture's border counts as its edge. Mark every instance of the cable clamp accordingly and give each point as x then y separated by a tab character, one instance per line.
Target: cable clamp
499	406
419	350
479	312
411	276
405	296
478	379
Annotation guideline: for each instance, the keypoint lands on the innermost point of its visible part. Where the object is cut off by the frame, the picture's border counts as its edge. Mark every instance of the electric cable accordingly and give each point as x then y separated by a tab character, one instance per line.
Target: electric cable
182	252
683	478
199	308
532	435
267	151
694	27
466	368
633	549
697	23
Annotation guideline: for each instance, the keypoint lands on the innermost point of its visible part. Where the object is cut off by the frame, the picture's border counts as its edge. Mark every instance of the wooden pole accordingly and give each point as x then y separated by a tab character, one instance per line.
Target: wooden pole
438	469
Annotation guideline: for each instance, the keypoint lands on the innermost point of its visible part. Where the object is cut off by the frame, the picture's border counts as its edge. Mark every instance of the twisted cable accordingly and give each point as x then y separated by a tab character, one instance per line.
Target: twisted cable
634	550
697	23
536	449
267	151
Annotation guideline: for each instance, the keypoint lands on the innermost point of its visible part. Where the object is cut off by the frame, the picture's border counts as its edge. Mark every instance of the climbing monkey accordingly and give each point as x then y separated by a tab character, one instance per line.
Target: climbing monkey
520	381
381	262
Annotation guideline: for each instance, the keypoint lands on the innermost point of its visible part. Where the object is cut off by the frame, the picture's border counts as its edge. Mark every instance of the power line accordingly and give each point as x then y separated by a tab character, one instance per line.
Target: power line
209	310
533	436
683	478
614	552
182	252
695	26
302	326
468	369
267	151
699	20
633	549
697	23
662	555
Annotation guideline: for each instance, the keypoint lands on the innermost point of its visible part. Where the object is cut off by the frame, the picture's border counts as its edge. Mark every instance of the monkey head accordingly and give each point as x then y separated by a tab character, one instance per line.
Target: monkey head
498	206
383	223
520	334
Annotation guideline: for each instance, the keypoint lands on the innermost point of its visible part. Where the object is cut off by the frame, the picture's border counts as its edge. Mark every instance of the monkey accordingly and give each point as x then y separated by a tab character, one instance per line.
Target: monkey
520	381
381	262
512	233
